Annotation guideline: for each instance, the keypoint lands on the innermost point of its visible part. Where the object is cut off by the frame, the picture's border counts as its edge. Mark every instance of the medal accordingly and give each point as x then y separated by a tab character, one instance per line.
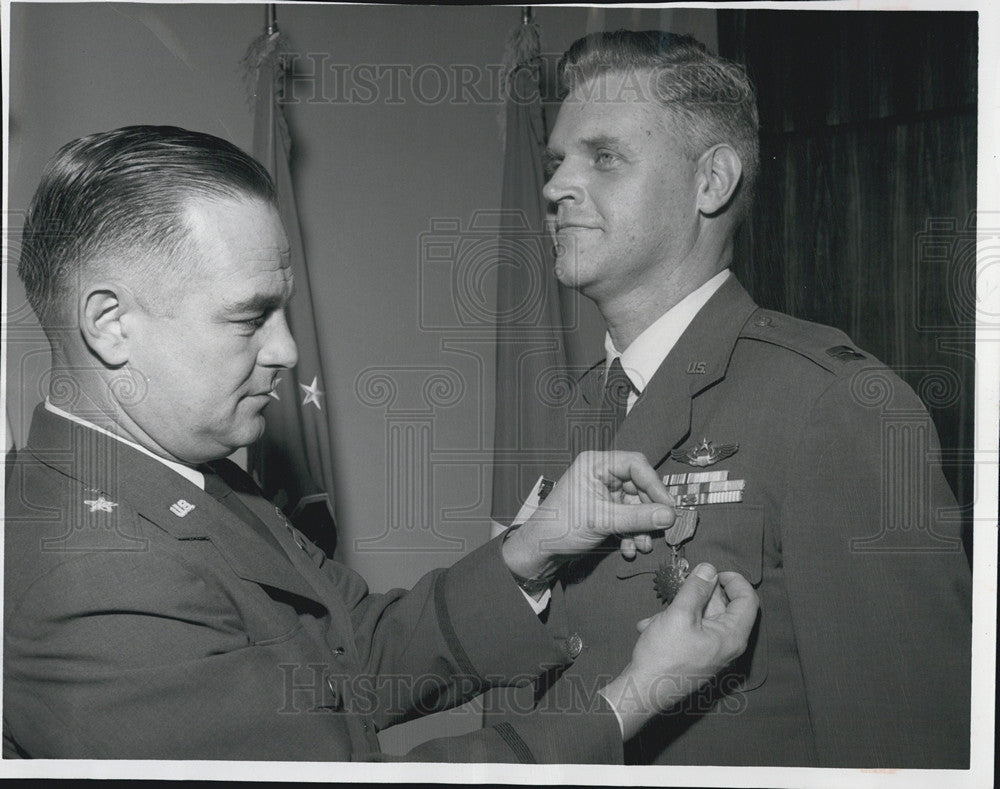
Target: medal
670	575
690	490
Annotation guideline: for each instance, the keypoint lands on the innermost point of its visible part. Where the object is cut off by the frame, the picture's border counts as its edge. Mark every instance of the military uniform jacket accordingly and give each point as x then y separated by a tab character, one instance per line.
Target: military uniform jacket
848	530
144	620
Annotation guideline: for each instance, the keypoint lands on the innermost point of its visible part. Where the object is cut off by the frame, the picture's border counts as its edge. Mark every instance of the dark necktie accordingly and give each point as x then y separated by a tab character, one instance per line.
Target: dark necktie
617	388
220	490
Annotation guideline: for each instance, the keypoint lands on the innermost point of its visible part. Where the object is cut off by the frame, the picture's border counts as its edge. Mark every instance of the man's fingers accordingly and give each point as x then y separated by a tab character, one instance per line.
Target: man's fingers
643	542
716	604
613	468
637	543
695	592
743	603
633	493
633	518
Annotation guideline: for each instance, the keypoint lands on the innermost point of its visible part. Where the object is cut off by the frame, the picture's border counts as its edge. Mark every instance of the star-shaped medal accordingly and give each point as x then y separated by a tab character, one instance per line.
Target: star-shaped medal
668	579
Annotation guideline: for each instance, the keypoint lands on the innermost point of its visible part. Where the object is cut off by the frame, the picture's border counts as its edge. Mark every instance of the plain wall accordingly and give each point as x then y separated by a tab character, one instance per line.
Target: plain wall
372	171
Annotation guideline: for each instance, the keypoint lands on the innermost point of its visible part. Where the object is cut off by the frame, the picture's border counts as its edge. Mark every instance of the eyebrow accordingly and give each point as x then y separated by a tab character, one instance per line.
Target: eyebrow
606	141
592	143
260	302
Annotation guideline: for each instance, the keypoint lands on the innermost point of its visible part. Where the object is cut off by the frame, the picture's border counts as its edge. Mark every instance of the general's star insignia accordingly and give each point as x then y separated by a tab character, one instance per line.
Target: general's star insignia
313	393
704	454
274	389
100	504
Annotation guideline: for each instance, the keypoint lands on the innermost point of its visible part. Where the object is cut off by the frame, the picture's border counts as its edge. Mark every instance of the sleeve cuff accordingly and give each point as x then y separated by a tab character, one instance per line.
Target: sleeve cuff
584	736
481	600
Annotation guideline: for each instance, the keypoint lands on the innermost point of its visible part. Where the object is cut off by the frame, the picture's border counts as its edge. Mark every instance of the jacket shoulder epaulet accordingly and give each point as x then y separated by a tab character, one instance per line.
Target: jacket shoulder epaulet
825	346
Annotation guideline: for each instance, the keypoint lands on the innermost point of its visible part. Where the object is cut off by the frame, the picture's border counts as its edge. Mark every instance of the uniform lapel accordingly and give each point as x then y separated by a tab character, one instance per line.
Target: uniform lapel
661	417
586	411
162	496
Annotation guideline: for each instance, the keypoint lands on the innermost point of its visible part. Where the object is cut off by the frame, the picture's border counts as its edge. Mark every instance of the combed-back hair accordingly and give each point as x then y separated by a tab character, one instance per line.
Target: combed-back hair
118	198
709	99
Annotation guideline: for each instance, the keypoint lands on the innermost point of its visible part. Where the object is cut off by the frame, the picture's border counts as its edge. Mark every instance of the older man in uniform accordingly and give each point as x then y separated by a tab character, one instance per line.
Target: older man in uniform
156	606
796	458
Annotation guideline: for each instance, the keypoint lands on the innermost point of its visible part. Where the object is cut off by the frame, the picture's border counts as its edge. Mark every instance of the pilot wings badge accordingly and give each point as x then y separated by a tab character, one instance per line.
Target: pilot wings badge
704	454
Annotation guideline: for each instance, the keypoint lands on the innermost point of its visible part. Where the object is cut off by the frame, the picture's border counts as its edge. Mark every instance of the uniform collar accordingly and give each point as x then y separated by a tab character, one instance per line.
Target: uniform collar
661	418
185	471
125	478
646	353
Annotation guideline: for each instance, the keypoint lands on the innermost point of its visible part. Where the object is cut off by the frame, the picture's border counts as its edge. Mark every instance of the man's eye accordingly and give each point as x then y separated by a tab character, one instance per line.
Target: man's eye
551	165
605	159
255	322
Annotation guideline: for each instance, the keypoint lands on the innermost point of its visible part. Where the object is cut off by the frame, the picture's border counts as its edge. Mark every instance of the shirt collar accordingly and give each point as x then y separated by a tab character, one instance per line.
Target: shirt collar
644	356
185	471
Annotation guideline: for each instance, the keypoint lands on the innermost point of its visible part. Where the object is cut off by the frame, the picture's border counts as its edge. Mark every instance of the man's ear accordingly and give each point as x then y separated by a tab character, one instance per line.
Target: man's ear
720	169
101	311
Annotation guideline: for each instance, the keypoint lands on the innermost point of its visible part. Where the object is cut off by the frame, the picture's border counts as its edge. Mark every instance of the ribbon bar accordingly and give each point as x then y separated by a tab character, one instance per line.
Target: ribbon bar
695	476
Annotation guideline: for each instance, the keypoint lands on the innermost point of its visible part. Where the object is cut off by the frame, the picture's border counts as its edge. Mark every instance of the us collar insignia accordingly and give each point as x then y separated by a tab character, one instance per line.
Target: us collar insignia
704	454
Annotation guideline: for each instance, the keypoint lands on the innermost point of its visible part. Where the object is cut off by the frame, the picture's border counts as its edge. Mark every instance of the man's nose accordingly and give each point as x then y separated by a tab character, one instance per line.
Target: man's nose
562	185
279	349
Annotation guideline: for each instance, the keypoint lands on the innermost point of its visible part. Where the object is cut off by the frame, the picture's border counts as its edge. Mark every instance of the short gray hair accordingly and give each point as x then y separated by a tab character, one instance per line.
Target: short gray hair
710	99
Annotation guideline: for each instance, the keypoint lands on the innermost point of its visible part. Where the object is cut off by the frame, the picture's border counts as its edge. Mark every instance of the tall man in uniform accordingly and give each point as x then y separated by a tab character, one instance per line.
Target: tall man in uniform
156	606
796	458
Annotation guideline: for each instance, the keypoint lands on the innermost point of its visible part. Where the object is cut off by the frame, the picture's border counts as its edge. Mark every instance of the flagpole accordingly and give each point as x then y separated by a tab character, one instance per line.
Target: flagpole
272	19
526	15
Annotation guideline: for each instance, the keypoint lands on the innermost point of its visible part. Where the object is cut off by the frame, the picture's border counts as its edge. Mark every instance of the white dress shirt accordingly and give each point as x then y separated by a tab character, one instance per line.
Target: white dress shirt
643	357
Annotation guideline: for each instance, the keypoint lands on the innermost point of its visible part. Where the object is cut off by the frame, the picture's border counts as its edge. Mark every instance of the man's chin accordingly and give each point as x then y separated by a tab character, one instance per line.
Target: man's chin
251	429
571	275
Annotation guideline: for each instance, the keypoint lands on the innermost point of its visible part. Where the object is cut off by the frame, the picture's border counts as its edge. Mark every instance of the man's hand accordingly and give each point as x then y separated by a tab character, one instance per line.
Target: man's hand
601	494
682	648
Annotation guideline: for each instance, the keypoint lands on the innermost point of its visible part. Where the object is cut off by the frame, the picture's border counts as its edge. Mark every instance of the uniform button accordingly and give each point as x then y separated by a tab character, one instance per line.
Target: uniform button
338	650
763	321
364	725
574	645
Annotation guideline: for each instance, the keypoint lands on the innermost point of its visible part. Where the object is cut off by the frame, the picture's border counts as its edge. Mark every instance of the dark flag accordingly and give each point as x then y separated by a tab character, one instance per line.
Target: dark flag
292	462
532	380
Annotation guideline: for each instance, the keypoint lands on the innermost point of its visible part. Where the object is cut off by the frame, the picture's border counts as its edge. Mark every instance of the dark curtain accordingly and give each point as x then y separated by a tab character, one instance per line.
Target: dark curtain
864	217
